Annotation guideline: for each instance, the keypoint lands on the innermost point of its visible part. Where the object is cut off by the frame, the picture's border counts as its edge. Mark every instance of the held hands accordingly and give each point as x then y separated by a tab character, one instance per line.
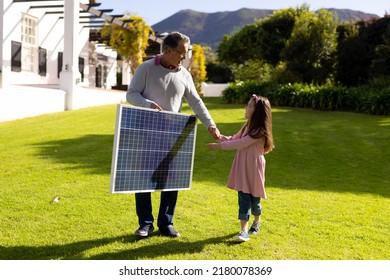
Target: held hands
213	130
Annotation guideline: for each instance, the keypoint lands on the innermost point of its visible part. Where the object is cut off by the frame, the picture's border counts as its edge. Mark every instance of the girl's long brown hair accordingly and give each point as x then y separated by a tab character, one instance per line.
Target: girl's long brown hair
260	123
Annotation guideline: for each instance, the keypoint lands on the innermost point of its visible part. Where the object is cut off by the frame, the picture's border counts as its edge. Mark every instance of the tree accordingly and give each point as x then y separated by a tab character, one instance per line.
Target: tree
352	57
310	51
130	42
363	51
380	66
219	73
277	30
253	69
291	45
198	66
241	46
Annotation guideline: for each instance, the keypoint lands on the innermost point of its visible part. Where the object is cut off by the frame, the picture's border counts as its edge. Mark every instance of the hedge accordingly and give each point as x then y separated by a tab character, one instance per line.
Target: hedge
363	99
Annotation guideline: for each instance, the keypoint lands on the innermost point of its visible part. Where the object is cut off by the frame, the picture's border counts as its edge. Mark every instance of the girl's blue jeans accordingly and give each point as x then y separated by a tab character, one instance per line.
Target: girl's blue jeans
248	204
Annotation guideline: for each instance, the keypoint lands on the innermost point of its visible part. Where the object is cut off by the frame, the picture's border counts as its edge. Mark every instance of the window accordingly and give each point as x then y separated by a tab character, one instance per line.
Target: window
16	56
42	61
29	43
81	67
59	63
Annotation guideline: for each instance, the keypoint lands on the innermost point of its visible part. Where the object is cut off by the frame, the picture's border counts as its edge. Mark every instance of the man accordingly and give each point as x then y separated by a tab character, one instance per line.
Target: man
161	83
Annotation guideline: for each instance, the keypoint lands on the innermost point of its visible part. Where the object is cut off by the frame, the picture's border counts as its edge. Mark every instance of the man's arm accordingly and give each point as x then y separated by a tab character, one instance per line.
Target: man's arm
136	88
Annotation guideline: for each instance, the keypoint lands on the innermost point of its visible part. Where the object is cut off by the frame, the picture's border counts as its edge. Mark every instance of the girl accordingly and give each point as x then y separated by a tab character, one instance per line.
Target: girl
247	174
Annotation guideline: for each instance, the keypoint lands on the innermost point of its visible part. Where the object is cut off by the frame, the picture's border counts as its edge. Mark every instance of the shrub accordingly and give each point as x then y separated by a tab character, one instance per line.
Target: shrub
362	99
241	92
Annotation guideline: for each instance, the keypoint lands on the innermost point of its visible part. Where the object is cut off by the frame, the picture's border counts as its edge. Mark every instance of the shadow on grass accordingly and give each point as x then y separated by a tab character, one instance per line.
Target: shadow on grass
91	152
76	250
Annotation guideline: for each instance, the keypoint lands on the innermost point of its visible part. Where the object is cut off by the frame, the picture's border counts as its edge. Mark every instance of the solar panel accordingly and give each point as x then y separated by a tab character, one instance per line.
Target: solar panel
153	150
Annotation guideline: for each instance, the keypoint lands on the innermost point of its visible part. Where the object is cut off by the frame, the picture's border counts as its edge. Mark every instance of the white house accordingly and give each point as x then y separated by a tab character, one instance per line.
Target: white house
33	39
45	45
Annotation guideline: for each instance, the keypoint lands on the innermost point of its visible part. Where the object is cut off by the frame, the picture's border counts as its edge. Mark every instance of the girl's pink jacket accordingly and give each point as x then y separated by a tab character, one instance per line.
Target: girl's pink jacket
247	173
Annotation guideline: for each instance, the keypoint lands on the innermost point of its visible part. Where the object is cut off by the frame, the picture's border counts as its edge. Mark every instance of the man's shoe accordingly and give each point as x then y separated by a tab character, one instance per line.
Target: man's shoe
242	237
169	231
144	231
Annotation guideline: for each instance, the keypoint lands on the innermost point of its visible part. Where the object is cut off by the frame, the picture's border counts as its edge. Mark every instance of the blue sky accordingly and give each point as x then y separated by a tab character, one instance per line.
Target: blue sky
154	11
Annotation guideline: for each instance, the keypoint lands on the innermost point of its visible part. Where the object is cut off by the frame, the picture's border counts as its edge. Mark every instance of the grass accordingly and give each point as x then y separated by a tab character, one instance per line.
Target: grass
327	181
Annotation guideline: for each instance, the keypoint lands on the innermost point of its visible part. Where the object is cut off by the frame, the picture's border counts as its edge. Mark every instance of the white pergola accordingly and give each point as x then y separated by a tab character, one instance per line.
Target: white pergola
70	76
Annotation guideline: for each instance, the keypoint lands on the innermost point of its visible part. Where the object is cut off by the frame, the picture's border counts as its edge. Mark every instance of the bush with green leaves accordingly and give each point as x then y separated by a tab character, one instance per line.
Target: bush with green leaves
363	99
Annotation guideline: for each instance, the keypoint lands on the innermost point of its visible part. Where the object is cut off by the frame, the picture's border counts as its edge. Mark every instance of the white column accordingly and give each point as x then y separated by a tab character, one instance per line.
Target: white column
126	75
1	41
70	77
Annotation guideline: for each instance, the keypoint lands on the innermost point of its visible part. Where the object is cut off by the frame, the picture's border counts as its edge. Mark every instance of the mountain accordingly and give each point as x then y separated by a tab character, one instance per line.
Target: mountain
209	28
351	15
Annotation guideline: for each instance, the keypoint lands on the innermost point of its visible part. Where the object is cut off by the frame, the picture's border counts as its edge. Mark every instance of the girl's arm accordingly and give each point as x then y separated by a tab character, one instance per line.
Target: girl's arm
213	146
235	144
218	146
240	143
224	138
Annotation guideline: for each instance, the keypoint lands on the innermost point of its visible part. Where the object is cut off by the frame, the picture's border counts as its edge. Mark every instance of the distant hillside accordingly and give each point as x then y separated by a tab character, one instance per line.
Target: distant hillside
209	28
350	15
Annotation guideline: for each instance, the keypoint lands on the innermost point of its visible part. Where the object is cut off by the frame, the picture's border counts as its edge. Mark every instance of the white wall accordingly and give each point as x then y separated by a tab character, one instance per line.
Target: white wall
213	90
17	102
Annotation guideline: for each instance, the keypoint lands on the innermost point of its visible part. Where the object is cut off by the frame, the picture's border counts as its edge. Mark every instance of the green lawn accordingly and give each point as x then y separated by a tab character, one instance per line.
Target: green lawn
327	182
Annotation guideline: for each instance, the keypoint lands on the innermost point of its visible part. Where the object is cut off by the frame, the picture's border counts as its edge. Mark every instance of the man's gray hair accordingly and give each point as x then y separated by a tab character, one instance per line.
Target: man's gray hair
172	40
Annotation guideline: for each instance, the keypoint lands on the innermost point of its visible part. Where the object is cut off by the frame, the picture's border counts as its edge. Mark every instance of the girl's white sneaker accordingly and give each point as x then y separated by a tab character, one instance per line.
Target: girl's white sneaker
242	237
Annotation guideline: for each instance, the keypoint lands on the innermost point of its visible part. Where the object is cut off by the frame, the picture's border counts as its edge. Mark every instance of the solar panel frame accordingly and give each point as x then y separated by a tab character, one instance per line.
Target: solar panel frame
152	150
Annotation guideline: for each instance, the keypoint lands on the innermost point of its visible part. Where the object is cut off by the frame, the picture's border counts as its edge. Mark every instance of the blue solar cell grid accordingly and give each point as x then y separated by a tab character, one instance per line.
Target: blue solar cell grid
153	151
